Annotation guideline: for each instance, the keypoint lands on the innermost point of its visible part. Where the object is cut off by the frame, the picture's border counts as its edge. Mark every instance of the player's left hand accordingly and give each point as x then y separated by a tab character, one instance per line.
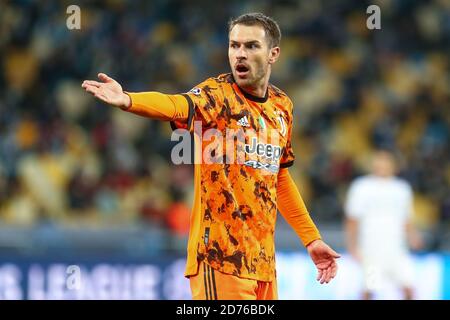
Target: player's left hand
324	259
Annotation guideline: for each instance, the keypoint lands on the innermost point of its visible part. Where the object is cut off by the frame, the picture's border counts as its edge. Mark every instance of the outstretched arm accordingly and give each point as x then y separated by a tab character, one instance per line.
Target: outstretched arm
108	91
152	104
293	209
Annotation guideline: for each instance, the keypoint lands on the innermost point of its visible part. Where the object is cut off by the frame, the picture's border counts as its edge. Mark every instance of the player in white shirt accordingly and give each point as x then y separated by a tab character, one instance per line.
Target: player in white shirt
378	208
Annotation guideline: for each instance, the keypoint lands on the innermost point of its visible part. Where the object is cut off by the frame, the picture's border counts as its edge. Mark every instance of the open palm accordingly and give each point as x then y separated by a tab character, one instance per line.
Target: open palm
108	91
325	260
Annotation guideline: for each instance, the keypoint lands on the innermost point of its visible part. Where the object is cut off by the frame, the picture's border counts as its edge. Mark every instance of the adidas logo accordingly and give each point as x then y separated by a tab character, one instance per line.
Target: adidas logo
243	122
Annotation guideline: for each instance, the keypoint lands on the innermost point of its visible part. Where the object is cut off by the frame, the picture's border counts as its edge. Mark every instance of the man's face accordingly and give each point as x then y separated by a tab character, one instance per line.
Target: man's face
250	55
383	164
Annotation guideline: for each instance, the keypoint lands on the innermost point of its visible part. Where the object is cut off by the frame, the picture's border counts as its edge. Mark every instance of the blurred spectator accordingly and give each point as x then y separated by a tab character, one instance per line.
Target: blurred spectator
379	209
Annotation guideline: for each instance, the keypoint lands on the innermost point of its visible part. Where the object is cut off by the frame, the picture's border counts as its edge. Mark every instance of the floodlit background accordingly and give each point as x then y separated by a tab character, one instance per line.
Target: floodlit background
83	184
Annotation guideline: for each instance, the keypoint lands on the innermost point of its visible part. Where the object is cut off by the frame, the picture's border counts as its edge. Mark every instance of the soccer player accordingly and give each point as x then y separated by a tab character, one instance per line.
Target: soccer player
379	207
231	250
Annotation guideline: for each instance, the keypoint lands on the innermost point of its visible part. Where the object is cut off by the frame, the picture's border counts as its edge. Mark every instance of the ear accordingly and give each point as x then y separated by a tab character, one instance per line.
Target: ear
274	54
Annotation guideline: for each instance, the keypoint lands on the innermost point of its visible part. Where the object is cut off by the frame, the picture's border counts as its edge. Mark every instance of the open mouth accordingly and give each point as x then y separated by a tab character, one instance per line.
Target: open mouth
242	70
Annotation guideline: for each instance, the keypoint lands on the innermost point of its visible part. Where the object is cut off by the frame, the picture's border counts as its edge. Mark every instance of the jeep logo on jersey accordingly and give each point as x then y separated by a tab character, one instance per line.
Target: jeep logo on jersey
259	165
269	151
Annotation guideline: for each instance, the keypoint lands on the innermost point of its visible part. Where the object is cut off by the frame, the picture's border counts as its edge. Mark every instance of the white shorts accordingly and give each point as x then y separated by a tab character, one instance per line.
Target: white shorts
397	269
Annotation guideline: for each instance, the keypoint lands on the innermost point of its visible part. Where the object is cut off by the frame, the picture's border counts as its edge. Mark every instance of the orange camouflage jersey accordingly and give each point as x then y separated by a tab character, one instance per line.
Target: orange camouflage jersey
235	205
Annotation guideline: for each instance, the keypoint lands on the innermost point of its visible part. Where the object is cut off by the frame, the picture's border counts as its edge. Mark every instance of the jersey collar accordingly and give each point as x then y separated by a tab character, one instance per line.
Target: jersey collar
250	96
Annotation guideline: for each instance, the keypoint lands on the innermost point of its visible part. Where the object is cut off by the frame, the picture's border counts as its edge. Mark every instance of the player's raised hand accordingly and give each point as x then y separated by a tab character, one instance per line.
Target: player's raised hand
108	90
325	260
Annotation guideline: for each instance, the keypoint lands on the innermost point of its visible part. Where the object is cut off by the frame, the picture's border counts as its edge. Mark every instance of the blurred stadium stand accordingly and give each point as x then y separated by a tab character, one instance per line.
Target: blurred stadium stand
76	175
